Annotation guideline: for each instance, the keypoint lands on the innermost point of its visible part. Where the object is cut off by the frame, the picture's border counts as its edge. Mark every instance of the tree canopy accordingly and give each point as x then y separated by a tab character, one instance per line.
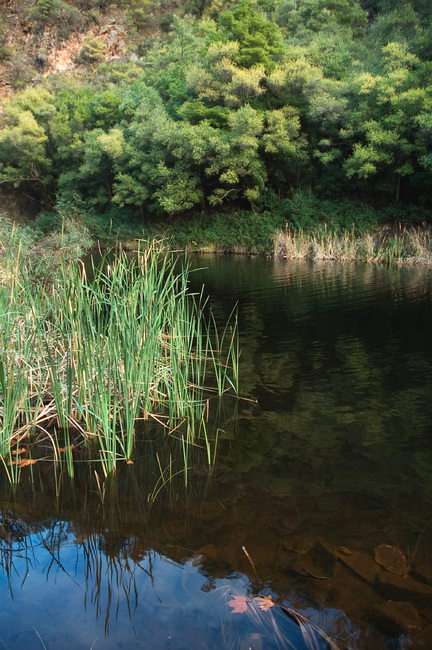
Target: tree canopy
232	101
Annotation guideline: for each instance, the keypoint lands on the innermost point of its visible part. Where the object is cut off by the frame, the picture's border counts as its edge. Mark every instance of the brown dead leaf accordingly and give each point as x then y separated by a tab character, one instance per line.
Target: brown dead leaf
239	604
19	451
264	602
26	461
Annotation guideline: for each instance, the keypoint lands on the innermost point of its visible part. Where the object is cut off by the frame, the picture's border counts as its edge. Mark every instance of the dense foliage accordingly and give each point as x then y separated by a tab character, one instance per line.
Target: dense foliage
234	103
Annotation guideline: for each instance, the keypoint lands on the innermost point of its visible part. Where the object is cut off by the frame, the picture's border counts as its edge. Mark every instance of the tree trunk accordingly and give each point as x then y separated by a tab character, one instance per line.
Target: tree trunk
398	186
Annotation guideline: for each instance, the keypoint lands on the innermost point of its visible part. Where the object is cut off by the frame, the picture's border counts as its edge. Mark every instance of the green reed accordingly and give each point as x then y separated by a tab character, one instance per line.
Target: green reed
93	356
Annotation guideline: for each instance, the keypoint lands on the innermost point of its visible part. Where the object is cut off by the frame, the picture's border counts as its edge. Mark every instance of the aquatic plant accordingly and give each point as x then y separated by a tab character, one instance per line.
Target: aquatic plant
88	359
384	245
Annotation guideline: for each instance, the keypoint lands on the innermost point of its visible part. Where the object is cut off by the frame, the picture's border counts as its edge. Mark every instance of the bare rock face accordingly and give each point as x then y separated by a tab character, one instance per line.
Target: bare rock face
42	60
392	559
398	617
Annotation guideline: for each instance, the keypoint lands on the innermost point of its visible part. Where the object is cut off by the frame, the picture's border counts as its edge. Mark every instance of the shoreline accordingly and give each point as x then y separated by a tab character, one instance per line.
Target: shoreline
404	246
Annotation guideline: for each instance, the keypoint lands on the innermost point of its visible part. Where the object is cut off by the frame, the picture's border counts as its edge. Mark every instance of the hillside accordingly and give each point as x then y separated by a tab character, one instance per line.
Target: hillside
31	48
141	110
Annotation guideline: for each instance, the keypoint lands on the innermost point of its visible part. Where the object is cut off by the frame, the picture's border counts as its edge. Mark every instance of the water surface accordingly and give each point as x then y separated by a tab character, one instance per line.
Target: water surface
326	457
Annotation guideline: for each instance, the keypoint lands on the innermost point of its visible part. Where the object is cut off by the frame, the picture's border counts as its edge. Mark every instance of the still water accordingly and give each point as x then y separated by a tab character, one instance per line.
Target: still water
320	498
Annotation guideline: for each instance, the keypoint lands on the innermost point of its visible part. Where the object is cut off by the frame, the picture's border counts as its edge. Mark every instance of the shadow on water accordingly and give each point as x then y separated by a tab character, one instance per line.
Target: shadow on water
320	497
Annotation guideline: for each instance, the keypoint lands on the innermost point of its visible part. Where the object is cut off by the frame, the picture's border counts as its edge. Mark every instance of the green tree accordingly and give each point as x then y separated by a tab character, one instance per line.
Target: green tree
24	157
23	152
83	113
236	162
284	148
386	118
220	81
304	19
259	39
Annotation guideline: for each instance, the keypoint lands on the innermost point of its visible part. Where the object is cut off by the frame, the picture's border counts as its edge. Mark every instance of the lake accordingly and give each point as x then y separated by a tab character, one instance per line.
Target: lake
314	528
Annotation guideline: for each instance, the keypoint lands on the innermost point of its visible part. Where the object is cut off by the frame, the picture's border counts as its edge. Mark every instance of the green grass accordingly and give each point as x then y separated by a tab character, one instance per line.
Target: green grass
84	361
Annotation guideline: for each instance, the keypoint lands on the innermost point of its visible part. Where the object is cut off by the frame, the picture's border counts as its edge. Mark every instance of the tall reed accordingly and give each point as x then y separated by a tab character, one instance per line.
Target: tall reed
89	357
392	246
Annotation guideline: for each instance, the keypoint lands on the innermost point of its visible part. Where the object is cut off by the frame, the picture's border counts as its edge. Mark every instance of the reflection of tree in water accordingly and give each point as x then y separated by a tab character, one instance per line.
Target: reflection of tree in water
335	453
119	543
112	570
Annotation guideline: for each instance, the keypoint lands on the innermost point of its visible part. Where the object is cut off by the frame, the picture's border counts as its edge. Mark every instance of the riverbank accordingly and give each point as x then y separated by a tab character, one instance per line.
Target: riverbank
384	244
302	227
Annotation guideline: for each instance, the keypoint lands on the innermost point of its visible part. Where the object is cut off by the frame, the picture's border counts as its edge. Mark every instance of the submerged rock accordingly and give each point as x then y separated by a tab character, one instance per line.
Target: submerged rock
422	572
360	563
395	587
392	559
423	640
398	617
300	544
207	554
209	550
319	562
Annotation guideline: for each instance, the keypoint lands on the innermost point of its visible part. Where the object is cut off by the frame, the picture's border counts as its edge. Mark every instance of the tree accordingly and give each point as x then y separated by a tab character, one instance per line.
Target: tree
221	81
304	19
24	160
284	147
23	153
236	163
386	117
259	39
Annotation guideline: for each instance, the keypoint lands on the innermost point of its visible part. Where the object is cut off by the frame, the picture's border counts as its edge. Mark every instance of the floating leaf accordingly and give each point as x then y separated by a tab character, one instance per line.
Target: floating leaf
264	602
239	604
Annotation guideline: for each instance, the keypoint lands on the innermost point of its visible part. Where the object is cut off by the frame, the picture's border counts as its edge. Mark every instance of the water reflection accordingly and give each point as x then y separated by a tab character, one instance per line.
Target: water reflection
120	577
326	459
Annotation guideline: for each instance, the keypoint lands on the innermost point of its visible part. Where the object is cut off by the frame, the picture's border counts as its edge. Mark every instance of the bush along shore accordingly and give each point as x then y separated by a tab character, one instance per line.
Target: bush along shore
88	359
302	227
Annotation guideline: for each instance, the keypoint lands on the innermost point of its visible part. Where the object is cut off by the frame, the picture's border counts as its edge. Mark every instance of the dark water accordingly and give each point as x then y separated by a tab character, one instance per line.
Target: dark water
324	479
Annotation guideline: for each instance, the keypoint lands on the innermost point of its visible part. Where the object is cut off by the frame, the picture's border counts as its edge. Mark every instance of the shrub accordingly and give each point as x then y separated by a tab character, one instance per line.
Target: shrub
50	11
22	71
305	211
139	18
6	52
92	51
94	16
42	255
166	23
10	234
58	13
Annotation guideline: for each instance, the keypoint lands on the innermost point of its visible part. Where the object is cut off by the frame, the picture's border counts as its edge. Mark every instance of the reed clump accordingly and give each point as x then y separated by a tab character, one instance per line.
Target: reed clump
399	245
89	358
